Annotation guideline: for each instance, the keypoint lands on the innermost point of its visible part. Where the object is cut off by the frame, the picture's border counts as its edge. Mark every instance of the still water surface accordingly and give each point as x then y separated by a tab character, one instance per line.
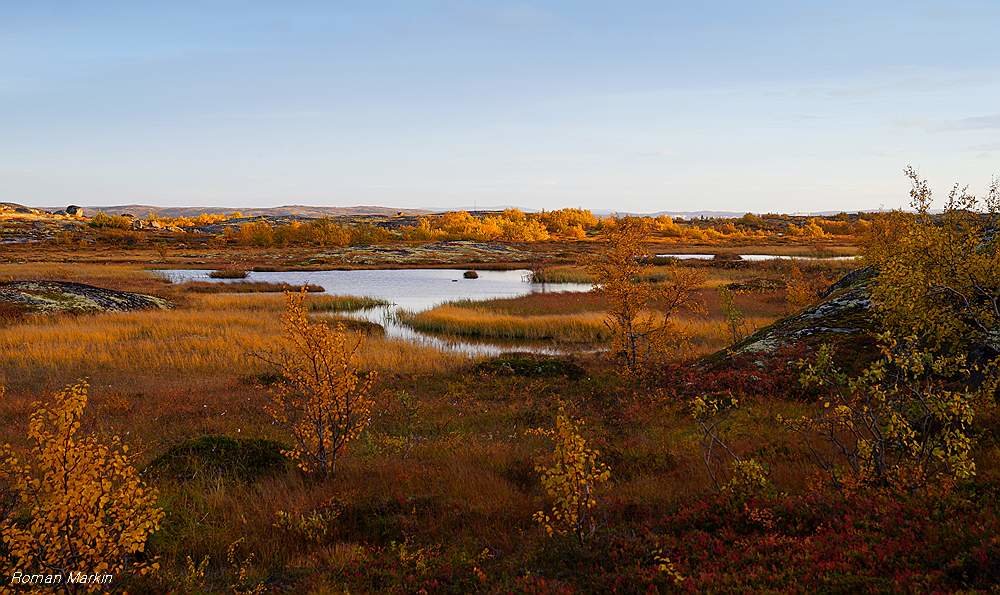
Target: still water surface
409	289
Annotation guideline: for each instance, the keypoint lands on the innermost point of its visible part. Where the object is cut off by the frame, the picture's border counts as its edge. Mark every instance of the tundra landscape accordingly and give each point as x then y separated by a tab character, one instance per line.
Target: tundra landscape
470	296
755	403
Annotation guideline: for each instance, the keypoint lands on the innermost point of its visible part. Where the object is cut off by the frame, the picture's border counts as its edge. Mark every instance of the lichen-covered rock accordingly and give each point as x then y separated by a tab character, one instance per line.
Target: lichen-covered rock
843	317
62	296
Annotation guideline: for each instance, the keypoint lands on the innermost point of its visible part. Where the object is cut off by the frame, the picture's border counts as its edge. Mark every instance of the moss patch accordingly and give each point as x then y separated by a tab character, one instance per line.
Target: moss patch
241	459
530	365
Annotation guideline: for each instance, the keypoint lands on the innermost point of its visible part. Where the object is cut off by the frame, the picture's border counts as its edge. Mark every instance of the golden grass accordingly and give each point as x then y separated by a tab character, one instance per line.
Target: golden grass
585	327
215	335
109	275
562	274
708	335
275	302
563	302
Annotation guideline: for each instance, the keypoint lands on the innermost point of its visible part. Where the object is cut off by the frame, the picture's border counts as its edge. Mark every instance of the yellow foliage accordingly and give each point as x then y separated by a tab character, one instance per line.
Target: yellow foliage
570	476
897	424
323	399
80	505
937	295
736	322
241	568
939	276
510	225
101	219
619	271
907	419
799	293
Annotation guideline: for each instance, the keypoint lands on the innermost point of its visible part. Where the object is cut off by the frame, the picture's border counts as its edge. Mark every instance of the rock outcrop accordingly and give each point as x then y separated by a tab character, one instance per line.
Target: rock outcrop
842	318
62	296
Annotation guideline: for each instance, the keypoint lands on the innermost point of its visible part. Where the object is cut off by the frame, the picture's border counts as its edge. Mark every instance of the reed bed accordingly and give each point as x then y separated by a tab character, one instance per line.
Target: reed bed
230	273
463	321
561	274
580	274
274	302
565	302
246	287
345	303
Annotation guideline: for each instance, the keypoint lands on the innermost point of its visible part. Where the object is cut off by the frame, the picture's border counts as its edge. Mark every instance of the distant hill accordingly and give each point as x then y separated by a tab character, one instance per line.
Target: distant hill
282	211
370	210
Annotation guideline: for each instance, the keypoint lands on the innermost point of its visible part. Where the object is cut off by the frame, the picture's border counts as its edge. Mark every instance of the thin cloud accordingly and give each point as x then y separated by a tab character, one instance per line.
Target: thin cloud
985	148
991	122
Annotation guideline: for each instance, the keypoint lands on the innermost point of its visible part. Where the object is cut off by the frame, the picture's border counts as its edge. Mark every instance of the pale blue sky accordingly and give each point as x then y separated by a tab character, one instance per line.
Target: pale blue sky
639	106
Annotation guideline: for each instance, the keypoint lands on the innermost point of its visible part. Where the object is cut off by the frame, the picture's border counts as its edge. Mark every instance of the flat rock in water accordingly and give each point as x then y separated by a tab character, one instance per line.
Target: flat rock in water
62	296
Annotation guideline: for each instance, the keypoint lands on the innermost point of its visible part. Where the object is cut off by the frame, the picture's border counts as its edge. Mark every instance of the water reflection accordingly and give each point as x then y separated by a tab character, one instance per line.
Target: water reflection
410	289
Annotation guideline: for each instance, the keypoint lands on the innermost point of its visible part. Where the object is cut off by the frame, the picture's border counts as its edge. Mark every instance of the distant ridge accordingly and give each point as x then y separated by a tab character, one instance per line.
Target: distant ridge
282	211
371	210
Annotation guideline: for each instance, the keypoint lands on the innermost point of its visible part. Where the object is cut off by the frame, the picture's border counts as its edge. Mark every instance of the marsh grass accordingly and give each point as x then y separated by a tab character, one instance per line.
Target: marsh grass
111	276
464	321
568	302
213	335
561	274
229	273
246	287
345	303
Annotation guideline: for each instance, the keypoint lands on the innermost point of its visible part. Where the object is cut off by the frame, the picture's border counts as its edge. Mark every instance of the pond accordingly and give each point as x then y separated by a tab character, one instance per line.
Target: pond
410	289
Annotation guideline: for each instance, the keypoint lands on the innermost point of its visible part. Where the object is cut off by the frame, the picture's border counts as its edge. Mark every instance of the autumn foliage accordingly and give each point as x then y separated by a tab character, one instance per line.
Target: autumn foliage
322	398
639	311
78	503
570	476
907	420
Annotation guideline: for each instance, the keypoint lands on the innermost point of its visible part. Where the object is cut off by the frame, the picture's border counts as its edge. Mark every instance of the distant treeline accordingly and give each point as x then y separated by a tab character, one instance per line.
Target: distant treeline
511	225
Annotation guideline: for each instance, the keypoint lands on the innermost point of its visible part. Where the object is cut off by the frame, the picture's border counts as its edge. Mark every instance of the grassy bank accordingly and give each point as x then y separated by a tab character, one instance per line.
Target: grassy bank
482	323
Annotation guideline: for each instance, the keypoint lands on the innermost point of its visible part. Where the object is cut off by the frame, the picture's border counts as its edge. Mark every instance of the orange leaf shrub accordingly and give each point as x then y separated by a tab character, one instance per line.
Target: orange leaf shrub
618	269
80	507
322	398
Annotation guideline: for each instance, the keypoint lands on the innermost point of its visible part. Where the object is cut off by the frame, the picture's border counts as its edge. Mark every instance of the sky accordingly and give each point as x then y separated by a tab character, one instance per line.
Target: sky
760	106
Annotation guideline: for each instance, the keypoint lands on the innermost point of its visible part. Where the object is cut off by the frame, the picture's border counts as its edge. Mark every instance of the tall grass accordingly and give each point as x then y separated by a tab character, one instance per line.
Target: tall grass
455	320
345	303
229	273
561	274
246	287
112	276
566	302
213	336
